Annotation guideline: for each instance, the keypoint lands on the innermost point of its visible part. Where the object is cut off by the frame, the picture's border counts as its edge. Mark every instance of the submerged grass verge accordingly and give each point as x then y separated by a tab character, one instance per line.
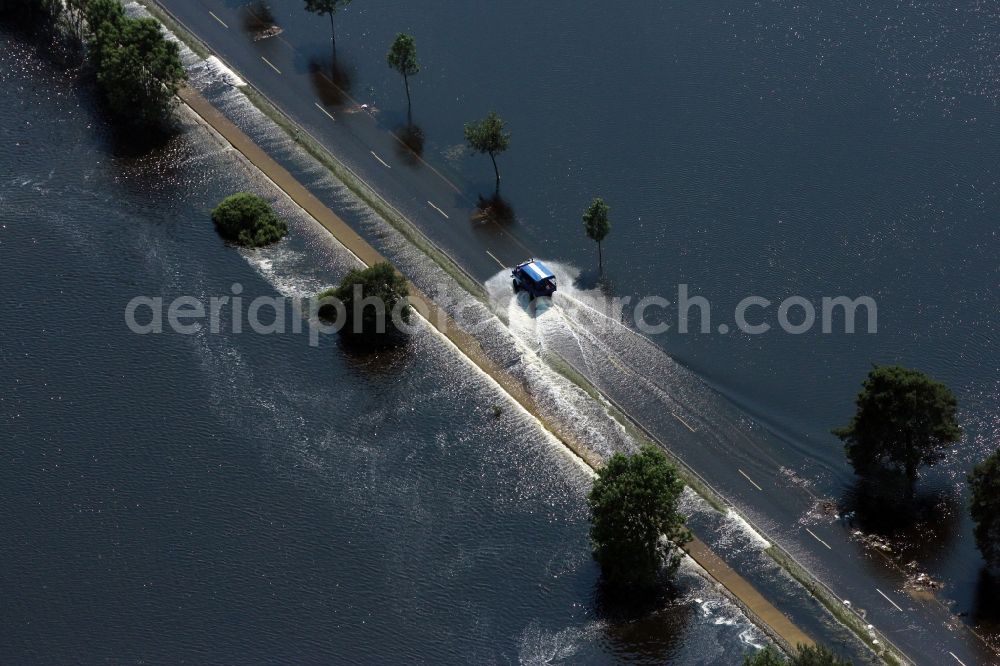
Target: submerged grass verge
363	191
885	650
634	430
173	26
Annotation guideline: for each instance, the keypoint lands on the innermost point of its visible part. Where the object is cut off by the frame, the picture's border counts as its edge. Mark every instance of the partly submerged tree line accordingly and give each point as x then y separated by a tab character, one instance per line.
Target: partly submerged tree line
137	69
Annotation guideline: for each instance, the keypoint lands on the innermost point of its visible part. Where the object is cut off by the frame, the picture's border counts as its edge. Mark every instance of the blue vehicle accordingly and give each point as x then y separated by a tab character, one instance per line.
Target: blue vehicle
535	278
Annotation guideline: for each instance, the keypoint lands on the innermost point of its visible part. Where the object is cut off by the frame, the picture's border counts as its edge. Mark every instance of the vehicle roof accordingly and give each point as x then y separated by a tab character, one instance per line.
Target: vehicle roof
537	271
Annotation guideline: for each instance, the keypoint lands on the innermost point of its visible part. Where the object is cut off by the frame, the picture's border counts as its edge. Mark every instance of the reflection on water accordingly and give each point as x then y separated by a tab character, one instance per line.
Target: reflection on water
259	21
986	609
904	523
331	79
411	143
494	209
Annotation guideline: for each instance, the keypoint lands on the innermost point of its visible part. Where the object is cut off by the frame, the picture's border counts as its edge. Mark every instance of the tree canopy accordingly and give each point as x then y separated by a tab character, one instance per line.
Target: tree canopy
104	20
488	136
329	8
904	419
402	57
633	504
140	71
815	655
596	224
384	291
248	220
985	484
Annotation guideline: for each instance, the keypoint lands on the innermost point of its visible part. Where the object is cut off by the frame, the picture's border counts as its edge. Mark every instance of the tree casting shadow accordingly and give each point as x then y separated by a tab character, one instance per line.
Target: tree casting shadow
985	614
494	209
384	356
646	625
410	146
331	80
918	525
258	20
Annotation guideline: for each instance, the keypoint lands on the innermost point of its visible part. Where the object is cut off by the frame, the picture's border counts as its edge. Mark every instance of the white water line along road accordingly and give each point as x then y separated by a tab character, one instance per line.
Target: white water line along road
442	211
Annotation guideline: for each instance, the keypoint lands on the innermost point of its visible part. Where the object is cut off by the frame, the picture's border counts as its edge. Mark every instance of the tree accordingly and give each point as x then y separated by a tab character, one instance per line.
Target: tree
328	7
402	57
985	484
248	220
75	20
597	225
904	419
488	136
140	71
769	656
814	655
377	293
104	20
632	505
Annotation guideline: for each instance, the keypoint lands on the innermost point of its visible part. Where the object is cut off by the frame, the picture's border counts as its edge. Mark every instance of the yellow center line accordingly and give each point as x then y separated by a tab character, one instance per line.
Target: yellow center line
218	19
269	63
329	115
749	479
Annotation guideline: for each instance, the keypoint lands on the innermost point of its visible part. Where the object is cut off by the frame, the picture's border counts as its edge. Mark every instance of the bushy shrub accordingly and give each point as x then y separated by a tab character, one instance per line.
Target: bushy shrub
248	220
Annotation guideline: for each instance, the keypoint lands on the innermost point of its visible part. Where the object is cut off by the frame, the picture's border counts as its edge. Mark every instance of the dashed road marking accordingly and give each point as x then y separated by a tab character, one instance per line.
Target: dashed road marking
329	115
218	19
271	64
495	259
685	423
384	163
891	601
956	658
813	534
438	210
749	479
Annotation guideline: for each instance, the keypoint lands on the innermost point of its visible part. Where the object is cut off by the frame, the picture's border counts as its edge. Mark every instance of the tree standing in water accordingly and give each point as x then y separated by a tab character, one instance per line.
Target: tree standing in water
904	419
328	7
633	504
488	136
402	57
597	225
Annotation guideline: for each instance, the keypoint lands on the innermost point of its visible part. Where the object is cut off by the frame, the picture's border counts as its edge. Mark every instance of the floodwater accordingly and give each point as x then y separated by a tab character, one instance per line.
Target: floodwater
234	497
771	149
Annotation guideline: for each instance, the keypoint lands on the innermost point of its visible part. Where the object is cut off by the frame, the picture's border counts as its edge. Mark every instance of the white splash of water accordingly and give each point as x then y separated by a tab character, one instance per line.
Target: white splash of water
216	67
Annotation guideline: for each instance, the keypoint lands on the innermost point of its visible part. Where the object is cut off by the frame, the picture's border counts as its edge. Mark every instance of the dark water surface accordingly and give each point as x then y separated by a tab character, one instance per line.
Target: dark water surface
769	148
242	498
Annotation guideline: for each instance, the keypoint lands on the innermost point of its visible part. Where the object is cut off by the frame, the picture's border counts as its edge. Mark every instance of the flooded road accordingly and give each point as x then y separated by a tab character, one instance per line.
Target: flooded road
245	498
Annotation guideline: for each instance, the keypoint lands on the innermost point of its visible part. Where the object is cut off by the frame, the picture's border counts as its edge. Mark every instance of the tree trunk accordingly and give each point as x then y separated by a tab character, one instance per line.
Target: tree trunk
600	256
496	170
